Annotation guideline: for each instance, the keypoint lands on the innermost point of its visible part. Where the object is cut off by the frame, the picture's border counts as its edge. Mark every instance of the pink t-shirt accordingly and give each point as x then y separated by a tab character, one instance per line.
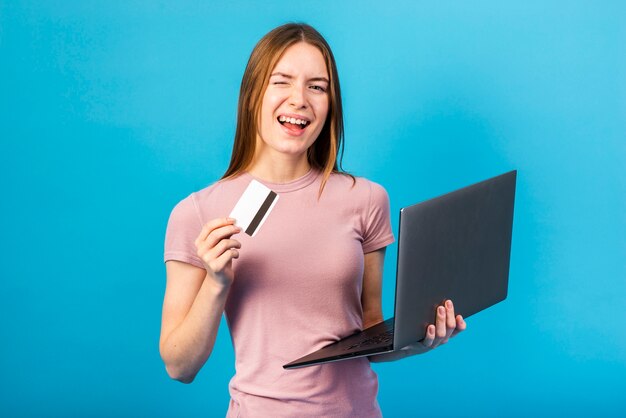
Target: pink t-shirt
297	288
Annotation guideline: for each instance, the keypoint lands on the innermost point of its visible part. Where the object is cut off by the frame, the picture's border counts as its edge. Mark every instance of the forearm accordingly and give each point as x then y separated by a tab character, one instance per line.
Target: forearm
189	345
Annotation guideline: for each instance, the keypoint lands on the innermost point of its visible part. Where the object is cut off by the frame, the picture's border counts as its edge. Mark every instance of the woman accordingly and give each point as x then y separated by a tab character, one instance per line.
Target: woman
311	275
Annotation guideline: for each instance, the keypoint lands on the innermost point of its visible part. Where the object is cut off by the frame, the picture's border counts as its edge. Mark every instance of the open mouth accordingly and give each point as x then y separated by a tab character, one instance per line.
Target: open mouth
293	123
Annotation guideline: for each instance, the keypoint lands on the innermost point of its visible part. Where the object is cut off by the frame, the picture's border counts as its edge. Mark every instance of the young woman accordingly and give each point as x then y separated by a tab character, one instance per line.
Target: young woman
313	272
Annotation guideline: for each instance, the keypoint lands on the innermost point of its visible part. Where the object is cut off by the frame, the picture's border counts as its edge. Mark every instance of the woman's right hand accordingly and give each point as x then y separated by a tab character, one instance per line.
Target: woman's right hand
216	249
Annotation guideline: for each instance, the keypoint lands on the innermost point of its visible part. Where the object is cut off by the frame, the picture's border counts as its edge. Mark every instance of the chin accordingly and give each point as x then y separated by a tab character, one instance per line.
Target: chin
293	151
291	146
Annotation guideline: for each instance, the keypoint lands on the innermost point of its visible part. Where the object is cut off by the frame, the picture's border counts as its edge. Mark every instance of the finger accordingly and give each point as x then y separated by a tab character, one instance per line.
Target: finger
223	232
440	326
208	254
450	320
460	325
430	336
211	225
218	264
223	246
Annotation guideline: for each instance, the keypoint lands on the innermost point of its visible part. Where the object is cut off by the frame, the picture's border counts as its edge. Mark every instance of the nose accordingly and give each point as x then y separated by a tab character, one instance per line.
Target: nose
297	97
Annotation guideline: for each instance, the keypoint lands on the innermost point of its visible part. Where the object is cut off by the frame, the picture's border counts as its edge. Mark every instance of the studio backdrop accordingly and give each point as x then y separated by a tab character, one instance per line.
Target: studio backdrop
112	112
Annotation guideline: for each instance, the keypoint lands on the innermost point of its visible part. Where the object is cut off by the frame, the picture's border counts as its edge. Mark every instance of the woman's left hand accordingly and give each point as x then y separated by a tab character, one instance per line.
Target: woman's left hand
446	326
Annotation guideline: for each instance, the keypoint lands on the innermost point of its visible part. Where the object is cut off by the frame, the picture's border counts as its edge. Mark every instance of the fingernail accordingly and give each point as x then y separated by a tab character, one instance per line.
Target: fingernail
441	310
231	219
449	304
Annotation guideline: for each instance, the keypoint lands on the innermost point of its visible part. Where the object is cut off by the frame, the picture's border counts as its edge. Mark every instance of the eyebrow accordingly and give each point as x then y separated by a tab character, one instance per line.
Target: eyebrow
290	77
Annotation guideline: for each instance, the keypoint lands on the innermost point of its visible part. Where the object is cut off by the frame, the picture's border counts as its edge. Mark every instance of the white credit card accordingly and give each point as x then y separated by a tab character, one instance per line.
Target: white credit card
253	207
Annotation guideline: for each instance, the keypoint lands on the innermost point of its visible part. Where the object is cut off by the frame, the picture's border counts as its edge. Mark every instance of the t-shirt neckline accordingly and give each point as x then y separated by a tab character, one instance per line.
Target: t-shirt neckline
290	186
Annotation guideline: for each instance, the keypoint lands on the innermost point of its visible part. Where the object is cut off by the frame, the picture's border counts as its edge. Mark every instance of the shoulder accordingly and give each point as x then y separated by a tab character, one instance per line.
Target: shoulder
188	208
213	201
184	212
357	187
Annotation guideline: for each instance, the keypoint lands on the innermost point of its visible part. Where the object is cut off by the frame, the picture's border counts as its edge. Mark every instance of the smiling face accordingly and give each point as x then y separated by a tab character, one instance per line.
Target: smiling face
295	104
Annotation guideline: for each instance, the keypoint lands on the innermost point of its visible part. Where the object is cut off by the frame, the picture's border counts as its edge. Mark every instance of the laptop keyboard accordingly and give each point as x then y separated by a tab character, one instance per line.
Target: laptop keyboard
385	337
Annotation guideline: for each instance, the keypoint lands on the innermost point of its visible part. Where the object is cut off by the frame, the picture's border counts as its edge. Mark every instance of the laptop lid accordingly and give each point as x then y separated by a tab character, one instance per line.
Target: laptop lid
456	246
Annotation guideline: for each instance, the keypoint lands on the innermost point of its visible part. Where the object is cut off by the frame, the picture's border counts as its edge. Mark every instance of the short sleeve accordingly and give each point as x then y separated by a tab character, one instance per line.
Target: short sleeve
377	231
183	228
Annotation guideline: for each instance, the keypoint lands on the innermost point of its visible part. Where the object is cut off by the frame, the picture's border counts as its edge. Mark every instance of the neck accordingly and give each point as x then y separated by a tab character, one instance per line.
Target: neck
279	168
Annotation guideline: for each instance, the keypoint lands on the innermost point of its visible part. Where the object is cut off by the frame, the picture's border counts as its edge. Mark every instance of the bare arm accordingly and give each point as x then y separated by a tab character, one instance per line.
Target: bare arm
194	301
371	297
192	309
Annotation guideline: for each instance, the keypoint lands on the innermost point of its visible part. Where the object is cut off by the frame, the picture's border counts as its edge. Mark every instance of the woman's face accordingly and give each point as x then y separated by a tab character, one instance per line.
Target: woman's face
295	103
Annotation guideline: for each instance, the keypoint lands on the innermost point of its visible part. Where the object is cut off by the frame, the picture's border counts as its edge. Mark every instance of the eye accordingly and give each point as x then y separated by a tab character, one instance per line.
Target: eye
319	88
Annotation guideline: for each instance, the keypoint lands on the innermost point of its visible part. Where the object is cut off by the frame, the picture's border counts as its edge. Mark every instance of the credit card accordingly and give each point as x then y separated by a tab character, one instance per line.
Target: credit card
253	207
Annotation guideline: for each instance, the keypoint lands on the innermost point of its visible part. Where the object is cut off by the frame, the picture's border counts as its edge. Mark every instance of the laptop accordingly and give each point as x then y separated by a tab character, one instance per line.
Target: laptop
456	246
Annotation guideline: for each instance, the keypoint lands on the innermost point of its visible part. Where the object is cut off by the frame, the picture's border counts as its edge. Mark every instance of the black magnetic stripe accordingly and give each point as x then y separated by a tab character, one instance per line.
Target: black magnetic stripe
261	213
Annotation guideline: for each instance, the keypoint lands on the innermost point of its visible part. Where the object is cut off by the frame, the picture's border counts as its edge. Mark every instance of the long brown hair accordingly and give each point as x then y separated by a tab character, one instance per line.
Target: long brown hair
327	151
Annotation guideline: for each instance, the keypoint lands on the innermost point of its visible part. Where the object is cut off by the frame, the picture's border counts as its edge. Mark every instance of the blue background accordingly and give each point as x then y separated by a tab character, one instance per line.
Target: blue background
111	112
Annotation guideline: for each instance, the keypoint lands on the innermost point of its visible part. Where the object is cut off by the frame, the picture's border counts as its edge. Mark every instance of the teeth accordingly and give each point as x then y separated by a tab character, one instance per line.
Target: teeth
294	121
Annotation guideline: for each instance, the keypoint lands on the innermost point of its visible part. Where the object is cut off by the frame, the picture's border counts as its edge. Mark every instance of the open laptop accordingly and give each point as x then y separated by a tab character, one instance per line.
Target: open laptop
456	246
